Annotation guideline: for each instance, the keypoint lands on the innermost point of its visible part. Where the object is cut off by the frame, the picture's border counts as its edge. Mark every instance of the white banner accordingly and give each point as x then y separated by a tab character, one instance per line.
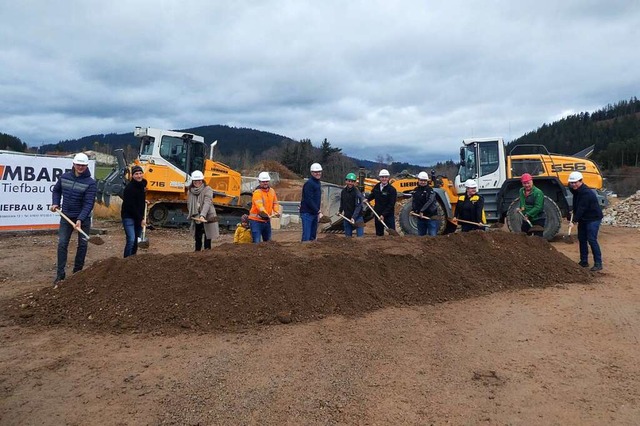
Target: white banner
26	184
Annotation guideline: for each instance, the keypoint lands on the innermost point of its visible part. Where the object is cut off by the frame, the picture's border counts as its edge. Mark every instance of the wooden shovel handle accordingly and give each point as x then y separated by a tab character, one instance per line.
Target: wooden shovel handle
347	219
72	224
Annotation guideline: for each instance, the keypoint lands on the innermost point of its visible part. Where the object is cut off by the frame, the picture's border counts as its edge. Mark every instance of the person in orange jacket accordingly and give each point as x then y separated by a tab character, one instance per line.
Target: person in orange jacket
264	206
243	231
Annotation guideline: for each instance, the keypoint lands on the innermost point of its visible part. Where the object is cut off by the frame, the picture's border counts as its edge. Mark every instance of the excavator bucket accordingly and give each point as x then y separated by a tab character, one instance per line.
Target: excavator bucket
114	183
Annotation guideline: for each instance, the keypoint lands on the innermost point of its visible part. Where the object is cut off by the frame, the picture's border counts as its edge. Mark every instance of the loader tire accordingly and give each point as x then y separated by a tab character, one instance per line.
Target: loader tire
409	224
551	226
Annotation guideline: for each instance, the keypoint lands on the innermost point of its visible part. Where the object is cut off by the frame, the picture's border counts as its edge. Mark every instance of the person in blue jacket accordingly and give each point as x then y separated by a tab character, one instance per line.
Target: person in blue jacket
75	192
310	203
587	213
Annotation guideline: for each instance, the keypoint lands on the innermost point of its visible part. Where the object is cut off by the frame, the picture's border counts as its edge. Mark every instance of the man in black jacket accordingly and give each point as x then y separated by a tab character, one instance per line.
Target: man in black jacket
385	197
424	203
587	213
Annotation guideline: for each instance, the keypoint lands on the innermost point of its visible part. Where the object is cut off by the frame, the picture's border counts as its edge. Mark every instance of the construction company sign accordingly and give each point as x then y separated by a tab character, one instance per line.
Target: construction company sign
26	185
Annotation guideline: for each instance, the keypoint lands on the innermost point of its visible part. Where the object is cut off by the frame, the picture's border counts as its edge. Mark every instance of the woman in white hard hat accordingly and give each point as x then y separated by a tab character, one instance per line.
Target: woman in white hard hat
424	203
310	203
132	210
470	207
587	213
264	205
202	212
385	196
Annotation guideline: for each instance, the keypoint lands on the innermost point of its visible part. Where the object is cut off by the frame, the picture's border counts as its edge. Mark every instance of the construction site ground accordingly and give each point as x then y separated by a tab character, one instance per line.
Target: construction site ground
490	328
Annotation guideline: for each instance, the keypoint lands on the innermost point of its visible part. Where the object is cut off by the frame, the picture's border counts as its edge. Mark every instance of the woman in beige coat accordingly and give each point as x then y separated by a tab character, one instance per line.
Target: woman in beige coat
202	213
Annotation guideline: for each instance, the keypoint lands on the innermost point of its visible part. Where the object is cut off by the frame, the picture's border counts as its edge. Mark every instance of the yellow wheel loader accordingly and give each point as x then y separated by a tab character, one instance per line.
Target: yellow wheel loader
168	158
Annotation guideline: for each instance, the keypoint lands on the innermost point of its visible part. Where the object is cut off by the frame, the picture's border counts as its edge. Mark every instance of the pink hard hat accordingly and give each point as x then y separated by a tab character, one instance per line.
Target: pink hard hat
526	178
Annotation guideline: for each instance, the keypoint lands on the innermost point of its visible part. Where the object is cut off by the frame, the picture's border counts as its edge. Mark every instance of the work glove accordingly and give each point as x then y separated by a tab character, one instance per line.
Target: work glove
264	215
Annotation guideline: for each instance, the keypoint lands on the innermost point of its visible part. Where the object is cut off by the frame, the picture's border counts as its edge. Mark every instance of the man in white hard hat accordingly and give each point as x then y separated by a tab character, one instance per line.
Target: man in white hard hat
264	205
587	213
75	194
385	196
310	203
425	204
470	207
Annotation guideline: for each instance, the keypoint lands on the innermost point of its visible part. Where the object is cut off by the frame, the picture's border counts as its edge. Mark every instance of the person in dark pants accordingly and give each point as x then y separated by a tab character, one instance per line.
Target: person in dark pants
351	206
202	212
470	207
385	197
310	203
264	205
132	211
531	205
76	190
424	202
587	213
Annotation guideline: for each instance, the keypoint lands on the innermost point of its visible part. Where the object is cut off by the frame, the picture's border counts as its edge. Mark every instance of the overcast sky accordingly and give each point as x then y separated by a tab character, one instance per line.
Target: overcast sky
409	79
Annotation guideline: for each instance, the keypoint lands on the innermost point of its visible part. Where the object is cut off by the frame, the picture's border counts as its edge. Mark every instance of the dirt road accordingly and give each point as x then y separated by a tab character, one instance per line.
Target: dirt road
564	354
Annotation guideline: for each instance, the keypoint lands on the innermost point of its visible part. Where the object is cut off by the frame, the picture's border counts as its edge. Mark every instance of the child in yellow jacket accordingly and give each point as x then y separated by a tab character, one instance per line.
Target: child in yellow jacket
243	232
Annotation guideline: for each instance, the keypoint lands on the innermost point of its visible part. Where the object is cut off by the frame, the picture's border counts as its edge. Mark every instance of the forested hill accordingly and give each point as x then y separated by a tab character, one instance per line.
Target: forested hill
230	140
614	130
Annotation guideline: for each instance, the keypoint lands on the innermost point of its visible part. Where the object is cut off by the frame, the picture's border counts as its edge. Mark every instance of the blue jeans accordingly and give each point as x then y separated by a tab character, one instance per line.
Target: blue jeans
348	228
260	230
132	232
64	235
309	226
428	227
588	236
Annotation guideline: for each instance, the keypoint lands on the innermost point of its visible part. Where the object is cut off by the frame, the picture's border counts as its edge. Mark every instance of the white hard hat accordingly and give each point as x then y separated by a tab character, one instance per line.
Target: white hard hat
384	172
423	176
470	183
316	167
81	159
264	177
575	177
197	175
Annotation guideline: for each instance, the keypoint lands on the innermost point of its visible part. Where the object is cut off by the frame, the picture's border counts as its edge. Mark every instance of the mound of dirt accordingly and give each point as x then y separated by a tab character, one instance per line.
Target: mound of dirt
235	287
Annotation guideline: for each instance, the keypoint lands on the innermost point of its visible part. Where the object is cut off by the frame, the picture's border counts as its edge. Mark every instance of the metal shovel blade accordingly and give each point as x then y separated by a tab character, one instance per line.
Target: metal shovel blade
96	240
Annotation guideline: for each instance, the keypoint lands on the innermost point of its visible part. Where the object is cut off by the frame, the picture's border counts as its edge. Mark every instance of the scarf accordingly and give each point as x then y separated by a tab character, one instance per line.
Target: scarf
195	203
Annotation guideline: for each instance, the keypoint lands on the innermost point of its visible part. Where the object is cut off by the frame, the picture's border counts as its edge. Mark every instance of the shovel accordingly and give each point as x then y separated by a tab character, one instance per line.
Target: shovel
389	230
144	241
323	219
470	223
93	240
568	239
421	216
354	223
532	228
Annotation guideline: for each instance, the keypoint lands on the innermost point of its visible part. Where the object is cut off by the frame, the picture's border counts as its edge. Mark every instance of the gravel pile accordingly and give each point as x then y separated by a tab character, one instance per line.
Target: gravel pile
625	213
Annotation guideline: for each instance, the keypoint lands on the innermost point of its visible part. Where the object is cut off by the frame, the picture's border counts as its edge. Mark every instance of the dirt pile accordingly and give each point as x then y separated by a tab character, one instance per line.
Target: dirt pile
235	287
624	213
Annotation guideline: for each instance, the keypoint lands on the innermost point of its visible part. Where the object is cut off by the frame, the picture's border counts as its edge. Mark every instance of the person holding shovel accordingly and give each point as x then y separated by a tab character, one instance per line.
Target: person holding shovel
202	212
264	205
132	211
470	208
310	203
587	213
425	206
531	207
385	196
351	207
75	192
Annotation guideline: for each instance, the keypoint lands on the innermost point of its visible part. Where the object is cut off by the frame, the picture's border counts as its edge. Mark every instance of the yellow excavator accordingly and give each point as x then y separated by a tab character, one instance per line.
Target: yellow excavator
168	158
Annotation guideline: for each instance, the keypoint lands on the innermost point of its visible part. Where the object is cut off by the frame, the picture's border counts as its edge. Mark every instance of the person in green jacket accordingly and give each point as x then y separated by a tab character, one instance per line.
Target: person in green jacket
531	206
